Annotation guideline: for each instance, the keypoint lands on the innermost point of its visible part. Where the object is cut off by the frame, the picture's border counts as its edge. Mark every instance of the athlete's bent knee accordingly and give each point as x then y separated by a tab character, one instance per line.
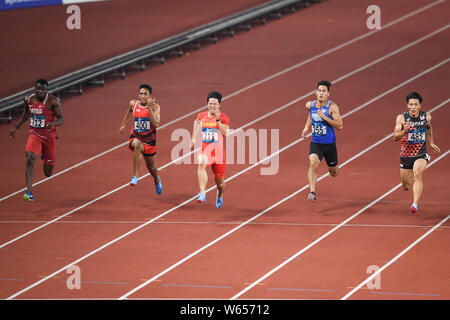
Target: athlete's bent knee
31	158
314	162
220	183
333	171
48	170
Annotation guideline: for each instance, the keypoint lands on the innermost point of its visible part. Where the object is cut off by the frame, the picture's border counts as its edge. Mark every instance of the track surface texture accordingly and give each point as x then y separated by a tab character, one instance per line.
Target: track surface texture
267	241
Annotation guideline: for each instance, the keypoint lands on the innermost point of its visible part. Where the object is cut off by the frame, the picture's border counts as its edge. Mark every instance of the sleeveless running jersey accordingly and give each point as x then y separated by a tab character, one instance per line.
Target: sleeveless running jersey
40	116
413	142
322	132
210	132
142	128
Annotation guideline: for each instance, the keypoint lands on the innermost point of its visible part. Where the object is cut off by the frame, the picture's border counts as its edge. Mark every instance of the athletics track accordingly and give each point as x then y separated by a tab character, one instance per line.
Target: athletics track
267	241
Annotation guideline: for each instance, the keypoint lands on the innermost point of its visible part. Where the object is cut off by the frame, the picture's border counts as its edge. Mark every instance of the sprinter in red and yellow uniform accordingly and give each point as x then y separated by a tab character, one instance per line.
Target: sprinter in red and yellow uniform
146	115
214	125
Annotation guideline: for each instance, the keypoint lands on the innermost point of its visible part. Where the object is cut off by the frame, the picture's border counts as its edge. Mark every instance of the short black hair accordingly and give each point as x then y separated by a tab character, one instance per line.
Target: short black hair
42	82
146	86
215	95
325	83
414	95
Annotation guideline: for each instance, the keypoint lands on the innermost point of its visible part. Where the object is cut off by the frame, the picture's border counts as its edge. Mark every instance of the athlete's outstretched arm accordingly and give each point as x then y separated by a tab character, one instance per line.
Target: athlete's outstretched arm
400	127
155	111
430	134
308	120
56	106
195	131
127	116
24	117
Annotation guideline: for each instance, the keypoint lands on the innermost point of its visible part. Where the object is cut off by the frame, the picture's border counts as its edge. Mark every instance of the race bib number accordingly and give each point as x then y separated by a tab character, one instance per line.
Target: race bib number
416	137
141	124
319	130
210	135
37	121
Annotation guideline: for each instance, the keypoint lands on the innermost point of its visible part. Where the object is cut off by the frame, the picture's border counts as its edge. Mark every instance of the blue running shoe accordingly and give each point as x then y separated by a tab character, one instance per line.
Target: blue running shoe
158	187
134	181
28	196
201	197
219	201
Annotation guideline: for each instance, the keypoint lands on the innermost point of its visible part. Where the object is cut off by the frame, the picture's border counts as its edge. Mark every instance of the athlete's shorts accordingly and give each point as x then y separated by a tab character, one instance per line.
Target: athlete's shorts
46	147
328	151
218	167
149	151
408	163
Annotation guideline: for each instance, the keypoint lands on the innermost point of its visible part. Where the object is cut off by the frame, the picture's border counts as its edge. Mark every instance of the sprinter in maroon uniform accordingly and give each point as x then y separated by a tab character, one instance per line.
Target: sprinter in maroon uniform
45	113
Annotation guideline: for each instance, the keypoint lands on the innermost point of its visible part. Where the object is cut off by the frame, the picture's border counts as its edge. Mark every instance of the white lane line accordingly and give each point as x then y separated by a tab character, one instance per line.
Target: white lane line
426	234
413	13
251	122
268	274
287	224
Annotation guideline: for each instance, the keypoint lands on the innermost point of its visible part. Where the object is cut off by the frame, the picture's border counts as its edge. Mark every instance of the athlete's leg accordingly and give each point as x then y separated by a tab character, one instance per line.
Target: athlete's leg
29	169
312	171
48	169
333	171
201	173
151	166
220	182
138	148
49	155
406	176
331	157
418	169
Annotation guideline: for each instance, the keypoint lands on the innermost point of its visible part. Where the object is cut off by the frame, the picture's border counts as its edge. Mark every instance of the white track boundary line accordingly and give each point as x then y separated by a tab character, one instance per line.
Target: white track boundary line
268	274
262	117
426	234
174	208
241	91
288	224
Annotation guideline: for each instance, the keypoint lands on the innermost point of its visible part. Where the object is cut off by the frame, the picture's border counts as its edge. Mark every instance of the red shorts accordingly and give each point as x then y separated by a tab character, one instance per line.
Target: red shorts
148	150
46	147
218	167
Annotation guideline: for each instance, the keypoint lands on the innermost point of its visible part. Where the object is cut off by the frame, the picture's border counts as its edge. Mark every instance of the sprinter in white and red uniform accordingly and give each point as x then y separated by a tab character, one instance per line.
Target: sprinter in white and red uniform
45	113
413	128
146	114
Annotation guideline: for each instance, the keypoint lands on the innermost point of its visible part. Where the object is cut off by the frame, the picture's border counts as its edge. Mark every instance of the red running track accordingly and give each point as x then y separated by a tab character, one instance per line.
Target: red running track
196	251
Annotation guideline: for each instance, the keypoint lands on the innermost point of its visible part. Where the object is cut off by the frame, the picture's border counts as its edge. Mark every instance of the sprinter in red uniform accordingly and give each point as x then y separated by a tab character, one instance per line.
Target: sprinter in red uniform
214	125
45	113
146	114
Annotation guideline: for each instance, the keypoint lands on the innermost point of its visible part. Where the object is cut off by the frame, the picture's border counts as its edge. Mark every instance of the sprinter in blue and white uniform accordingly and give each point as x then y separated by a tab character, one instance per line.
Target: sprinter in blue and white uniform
323	117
